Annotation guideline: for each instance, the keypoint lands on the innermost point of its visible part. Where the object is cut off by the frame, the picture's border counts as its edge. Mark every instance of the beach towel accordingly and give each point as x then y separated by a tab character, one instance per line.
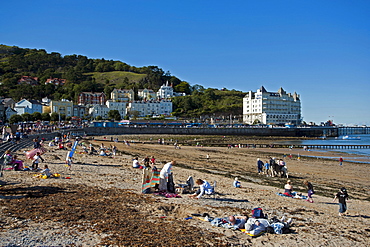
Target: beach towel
167	195
34	151
295	195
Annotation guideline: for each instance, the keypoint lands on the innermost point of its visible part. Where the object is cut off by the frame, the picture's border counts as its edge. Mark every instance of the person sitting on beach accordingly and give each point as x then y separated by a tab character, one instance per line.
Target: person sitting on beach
237	222
136	164
17	164
92	149
146	161
61	146
204	188
236	183
152	161
8	158
46	171
288	188
102	153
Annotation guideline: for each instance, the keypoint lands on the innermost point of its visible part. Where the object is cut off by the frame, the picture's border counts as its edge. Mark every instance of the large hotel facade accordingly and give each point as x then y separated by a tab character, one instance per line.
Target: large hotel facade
271	107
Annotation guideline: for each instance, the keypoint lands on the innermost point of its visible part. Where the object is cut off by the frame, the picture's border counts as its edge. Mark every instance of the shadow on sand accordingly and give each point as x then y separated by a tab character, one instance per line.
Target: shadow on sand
30	192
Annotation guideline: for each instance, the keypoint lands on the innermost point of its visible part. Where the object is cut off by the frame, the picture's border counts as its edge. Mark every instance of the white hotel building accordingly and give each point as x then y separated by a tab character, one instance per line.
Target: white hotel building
271	107
151	107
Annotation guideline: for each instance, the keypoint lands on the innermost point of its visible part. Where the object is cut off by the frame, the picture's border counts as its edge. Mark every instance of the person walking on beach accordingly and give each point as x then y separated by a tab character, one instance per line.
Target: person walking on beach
69	162
310	191
114	150
166	170
259	166
340	161
267	168
342	198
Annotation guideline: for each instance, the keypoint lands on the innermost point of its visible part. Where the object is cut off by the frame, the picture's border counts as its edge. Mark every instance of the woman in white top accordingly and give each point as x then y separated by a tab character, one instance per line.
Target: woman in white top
204	188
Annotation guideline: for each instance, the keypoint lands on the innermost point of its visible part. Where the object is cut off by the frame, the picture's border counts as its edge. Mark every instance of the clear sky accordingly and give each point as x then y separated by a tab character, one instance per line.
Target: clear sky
319	48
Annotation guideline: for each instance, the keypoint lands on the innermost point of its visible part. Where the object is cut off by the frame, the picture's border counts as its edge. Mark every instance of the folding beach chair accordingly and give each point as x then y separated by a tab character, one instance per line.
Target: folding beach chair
212	192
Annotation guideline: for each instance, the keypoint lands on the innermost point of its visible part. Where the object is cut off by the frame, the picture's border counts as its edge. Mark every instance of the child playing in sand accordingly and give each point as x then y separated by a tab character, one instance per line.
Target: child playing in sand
36	161
46	171
236	183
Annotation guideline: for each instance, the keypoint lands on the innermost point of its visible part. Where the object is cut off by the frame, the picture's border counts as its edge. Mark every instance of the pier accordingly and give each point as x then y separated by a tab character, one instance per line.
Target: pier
300	146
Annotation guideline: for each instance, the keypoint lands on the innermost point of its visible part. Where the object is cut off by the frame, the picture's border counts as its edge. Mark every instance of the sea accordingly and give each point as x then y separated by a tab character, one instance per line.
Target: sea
363	140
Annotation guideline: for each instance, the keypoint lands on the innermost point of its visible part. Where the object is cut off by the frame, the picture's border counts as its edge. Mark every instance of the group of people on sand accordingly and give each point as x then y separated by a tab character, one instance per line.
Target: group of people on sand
254	225
146	162
288	190
342	195
272	167
12	161
166	178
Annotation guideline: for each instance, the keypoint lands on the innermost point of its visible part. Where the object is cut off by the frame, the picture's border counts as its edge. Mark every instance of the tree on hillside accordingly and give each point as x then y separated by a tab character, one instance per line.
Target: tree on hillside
183	87
114	114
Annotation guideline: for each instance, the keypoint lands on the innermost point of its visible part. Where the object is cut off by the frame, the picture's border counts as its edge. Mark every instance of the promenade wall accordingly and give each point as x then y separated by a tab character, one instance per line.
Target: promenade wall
297	132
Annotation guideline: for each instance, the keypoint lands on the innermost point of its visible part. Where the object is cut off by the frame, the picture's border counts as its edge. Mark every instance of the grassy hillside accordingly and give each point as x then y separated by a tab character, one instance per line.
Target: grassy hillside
115	77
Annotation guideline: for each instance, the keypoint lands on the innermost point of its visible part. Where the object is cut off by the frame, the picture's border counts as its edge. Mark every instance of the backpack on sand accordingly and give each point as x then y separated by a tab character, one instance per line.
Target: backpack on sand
257	213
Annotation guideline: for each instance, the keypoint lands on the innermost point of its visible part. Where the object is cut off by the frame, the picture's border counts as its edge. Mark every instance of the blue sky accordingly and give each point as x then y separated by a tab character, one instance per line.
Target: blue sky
319	49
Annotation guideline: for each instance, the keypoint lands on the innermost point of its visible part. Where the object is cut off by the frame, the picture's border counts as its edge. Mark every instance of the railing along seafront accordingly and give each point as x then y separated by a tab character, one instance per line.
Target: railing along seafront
13	146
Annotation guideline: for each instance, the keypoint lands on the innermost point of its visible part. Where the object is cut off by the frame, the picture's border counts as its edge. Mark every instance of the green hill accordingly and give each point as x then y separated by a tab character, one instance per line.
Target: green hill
83	74
116	77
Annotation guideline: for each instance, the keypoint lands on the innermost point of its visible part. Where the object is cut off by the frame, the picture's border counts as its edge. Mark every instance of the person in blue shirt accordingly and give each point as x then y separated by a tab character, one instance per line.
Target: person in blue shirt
267	168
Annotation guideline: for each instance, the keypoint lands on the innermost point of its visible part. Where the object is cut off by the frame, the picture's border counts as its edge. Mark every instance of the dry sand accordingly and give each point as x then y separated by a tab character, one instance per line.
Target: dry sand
107	180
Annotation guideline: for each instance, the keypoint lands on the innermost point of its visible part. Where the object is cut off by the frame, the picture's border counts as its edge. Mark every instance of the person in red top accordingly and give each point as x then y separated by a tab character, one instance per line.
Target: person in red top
340	161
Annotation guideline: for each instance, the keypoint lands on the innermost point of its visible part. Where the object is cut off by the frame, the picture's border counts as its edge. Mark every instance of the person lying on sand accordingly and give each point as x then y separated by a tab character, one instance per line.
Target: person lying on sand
238	222
255	228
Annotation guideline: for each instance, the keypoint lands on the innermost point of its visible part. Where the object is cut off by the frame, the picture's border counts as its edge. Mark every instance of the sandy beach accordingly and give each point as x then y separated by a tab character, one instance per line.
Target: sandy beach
101	203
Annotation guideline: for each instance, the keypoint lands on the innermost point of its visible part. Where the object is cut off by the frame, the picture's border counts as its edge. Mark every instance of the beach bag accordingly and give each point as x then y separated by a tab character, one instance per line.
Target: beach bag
257	213
171	184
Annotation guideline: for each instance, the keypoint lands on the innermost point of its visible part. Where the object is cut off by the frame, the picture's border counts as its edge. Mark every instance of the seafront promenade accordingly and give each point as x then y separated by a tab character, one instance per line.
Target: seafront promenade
317	131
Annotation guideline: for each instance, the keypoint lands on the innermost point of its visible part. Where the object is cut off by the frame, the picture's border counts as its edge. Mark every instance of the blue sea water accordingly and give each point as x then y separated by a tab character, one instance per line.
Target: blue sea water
365	140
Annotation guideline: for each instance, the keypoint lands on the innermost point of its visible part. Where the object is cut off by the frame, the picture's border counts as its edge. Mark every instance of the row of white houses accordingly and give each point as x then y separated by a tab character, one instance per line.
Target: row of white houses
258	107
94	104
